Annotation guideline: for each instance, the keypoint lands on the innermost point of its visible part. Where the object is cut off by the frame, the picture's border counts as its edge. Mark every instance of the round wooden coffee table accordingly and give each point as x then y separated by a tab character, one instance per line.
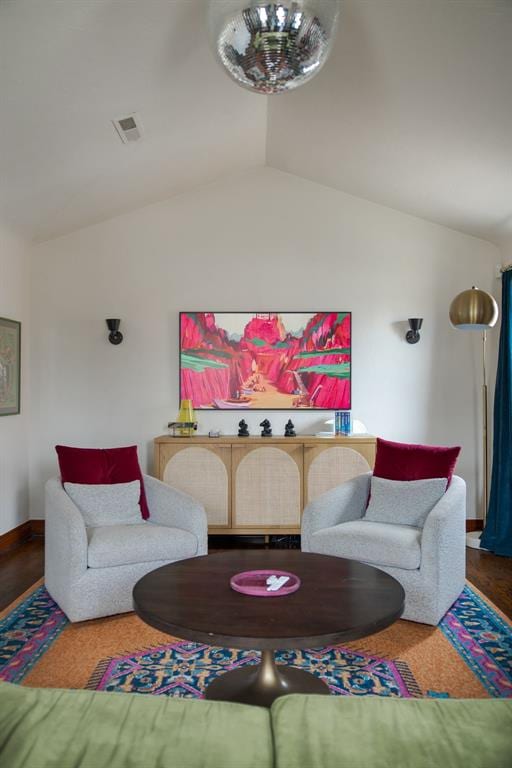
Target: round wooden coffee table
339	600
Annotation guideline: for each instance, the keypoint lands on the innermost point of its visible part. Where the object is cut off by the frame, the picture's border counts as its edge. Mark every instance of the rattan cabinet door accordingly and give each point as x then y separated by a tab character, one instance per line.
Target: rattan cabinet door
204	473
329	466
267	487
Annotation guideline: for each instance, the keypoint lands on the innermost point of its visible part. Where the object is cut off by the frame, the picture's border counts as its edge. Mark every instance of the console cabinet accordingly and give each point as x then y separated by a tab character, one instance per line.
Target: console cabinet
259	485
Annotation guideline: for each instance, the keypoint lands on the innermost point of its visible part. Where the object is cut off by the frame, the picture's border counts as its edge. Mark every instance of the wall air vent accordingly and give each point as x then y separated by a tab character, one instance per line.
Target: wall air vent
129	128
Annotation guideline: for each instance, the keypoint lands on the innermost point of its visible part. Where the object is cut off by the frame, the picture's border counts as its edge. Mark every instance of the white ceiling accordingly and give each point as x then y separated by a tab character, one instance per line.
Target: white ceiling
68	67
413	110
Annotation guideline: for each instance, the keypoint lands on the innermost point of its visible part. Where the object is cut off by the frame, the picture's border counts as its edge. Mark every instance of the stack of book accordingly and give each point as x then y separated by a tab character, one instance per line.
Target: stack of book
342	423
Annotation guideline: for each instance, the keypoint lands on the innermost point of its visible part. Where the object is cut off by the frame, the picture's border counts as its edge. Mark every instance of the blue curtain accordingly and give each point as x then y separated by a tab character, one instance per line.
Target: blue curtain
497	535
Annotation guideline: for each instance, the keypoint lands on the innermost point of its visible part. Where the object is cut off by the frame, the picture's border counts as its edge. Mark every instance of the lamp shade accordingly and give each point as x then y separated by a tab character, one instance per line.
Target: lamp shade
474	310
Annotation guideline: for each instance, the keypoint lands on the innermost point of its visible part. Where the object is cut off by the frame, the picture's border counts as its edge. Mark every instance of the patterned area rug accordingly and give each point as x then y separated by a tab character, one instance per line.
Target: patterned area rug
468	656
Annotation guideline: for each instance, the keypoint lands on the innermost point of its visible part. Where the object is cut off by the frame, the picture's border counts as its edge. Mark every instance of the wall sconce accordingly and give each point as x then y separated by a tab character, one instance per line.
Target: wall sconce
115	335
413	336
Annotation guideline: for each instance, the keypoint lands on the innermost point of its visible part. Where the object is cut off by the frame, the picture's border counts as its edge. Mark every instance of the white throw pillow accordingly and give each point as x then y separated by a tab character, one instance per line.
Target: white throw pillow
406	502
115	504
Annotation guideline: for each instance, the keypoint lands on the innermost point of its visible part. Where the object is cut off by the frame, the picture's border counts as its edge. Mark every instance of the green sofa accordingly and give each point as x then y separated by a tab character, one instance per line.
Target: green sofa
43	728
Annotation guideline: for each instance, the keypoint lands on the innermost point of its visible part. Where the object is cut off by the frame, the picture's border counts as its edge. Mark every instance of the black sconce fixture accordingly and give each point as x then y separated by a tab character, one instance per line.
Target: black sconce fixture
115	335
413	336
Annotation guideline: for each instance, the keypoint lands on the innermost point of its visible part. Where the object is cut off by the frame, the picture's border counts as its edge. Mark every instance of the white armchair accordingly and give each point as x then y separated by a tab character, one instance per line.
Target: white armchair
91	572
429	563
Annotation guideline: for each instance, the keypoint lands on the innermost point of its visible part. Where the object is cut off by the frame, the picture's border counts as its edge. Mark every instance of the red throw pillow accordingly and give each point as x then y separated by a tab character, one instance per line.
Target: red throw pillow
105	466
400	461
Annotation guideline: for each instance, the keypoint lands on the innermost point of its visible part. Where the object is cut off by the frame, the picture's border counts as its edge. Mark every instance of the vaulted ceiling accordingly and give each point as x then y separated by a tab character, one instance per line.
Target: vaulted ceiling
413	110
68	67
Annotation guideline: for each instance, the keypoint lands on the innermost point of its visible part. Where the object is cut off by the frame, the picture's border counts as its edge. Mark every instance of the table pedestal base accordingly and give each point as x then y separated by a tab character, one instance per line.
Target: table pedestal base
261	684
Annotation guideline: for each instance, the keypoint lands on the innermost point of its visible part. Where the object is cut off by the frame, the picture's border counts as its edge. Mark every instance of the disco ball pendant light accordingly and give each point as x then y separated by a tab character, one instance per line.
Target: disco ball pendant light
271	47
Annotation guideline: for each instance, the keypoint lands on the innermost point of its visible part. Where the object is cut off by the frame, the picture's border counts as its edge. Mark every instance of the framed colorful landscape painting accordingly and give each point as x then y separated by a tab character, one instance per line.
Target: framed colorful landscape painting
10	366
266	360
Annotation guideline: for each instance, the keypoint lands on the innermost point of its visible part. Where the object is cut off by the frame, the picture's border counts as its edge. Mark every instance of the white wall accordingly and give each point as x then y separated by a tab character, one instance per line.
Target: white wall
261	240
14	304
506	250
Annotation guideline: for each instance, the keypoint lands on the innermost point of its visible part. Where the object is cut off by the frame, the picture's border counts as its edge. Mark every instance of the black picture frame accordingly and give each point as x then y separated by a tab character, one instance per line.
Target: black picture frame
253	312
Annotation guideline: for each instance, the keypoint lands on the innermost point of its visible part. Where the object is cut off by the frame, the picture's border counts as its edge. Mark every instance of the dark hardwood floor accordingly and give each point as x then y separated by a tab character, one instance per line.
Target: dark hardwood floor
492	575
20	568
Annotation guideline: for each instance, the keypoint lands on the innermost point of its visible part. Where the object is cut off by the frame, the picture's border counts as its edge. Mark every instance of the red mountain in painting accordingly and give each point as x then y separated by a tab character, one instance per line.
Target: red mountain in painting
266	366
265	326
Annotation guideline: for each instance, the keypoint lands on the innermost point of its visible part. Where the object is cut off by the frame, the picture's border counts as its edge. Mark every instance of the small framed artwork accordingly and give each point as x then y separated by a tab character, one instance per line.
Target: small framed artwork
10	366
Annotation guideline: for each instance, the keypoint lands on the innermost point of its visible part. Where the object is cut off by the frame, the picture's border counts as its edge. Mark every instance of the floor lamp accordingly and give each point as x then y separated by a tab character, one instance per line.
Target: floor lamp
476	310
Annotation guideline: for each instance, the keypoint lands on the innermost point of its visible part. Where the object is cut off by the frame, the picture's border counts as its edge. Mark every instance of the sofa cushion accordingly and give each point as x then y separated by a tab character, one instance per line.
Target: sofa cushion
406	502
102	466
112	545
50	728
403	461
116	504
379	732
395	546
